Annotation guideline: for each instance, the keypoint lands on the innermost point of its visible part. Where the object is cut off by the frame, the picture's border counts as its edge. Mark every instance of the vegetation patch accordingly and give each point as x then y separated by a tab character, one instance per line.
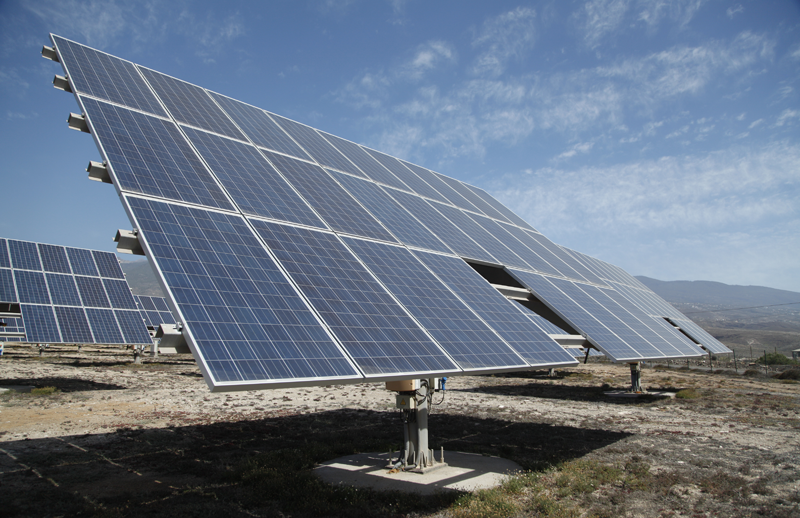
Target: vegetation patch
688	393
44	391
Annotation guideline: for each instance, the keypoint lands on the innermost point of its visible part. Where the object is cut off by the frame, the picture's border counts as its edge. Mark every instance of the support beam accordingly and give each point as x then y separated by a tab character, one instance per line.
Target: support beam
415	405
78	122
636	378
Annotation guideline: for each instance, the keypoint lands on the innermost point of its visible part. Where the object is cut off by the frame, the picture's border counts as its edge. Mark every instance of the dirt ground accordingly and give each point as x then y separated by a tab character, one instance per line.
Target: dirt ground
119	439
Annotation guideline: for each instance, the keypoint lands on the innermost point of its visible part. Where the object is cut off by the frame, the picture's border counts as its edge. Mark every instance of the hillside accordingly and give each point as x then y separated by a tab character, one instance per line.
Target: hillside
141	278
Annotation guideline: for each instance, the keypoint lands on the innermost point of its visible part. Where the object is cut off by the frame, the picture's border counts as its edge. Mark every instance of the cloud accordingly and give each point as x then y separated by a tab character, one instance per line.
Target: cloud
598	18
211	33
427	56
583	147
788	116
733	11
652	12
98	22
503	38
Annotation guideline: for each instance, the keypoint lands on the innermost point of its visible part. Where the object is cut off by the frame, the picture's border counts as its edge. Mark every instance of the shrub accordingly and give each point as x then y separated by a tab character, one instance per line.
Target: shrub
44	391
791	374
689	393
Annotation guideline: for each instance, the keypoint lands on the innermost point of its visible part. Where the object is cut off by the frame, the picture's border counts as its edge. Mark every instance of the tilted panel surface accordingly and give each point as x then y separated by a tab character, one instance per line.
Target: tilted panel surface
54	258
368	165
92	292
701	335
251	181
259	127
119	294
474	199
245	320
482	230
40	324
131	325
108	265
533	252
319	148
508	213
574	314
373	328
150	156
468	340
24	255
414	180
339	210
7	291
74	325
546	326
5	262
399	221
63	291
106	77
191	104
82	262
31	287
457	240
502	315
104	326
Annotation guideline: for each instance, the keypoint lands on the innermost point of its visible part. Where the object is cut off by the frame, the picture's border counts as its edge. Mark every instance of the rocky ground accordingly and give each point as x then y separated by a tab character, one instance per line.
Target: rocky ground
113	438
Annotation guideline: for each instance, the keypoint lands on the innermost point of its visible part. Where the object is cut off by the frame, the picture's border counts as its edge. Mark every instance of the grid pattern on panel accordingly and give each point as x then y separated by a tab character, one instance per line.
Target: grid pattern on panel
92	292
40	324
440	226
150	156
481	236
7	291
250	180
375	330
191	104
132	326
259	127
82	262
651	335
669	334
319	148
245	319
24	255
402	224
701	335
107	77
547	262
5	262
336	207
104	326
119	293
502	233
514	327
441	183
108	265
595	265
547	326
575	315
145	303
610	321
469	341
54	258
62	290
13	325
73	325
474	199
415	179
569	258
508	213
371	167
154	310
560	259
31	287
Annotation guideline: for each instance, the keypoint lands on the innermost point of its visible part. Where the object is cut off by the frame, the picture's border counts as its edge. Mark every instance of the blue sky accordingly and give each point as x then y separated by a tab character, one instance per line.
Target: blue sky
662	136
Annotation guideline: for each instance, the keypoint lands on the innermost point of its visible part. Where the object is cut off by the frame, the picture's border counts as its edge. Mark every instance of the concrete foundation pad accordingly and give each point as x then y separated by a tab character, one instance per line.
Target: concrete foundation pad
652	394
464	472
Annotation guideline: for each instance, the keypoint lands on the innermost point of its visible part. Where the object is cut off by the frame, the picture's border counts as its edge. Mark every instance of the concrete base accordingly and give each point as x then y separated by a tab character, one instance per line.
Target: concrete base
463	472
651	394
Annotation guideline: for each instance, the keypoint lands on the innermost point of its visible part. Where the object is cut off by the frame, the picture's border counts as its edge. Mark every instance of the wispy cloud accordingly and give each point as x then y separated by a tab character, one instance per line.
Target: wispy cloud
98	22
503	38
427	56
653	12
733	11
598	18
211	33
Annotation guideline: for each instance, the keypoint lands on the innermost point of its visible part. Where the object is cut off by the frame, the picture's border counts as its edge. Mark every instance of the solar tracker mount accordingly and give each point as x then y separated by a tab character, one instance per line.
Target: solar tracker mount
294	257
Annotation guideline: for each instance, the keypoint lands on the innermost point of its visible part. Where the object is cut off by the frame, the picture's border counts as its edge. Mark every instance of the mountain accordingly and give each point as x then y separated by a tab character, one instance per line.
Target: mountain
141	278
717	293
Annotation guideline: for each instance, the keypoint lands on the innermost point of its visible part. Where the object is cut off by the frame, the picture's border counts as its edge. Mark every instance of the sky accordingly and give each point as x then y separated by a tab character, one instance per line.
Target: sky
661	136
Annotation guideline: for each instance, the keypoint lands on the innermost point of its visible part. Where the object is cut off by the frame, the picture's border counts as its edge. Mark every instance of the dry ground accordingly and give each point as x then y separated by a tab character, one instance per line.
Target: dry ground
118	439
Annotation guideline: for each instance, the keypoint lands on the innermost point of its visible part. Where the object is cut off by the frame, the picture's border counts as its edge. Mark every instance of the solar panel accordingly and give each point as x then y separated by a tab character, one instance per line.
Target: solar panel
255	186
245	320
467	339
55	303
154	310
5	262
292	256
701	336
376	331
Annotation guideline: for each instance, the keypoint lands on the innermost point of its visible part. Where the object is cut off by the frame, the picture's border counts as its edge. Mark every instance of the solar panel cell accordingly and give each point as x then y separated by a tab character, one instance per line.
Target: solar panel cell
5	262
31	287
54	258
24	255
73	325
415	179
40	324
7	291
119	294
82	262
62	290
108	265
92	292
131	325
508	213
104	326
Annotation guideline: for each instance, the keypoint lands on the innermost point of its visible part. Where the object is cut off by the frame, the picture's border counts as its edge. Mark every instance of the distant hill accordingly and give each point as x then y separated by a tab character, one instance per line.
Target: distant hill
141	278
718	294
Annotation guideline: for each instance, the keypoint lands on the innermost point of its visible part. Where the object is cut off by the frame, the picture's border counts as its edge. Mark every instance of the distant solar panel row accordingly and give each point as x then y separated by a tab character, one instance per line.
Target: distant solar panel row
292	255
154	310
69	295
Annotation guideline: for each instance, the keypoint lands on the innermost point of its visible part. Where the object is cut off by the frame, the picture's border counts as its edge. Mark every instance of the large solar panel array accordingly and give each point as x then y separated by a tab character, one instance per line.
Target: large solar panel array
67	295
293	256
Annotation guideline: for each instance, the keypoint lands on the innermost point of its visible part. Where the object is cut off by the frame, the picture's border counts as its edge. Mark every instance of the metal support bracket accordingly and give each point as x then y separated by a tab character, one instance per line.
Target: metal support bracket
416	456
98	172
128	242
62	83
78	122
49	53
172	340
636	378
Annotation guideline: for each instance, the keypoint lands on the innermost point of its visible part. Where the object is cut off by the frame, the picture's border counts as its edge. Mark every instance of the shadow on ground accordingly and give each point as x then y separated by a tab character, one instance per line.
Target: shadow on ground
257	466
62	384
